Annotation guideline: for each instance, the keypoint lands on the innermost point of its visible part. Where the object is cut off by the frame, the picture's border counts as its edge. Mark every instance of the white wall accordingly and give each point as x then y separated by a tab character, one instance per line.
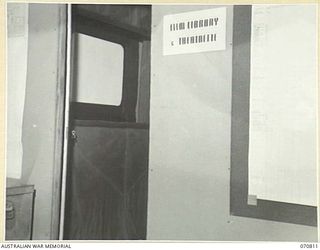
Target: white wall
39	121
17	47
190	125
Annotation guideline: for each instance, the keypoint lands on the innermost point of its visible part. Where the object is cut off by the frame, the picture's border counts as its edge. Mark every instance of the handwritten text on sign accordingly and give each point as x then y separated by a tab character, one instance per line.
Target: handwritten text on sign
195	31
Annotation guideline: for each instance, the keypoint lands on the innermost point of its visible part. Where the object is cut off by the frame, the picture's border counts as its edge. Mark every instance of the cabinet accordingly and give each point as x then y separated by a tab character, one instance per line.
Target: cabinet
19	212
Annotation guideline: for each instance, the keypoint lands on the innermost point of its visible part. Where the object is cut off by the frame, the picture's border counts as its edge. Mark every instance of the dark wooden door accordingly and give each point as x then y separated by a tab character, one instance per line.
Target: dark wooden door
107	181
107	172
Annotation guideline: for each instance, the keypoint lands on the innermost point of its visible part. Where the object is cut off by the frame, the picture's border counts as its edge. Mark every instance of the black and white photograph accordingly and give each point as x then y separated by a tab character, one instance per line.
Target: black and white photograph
161	122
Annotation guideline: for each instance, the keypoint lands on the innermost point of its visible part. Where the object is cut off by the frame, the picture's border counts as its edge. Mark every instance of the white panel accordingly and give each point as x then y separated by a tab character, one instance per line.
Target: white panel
99	71
283	101
17	48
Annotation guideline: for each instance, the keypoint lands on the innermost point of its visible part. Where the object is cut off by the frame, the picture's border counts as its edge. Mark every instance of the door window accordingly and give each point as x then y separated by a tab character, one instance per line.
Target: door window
99	71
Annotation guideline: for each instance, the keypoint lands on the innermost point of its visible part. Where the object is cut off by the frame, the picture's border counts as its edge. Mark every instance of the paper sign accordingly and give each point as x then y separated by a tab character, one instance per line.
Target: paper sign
283	104
195	31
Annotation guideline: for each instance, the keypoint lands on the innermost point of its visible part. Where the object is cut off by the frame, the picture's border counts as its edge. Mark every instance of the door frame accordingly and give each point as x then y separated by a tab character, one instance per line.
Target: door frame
59	123
63	116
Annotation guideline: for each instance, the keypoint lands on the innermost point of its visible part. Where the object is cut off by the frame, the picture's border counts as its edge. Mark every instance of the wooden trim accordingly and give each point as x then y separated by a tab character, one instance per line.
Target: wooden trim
143	102
131	31
130	81
89	111
59	125
268	210
107	124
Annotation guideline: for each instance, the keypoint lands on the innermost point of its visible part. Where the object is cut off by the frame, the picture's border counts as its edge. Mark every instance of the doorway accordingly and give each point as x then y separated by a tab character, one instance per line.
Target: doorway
108	144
